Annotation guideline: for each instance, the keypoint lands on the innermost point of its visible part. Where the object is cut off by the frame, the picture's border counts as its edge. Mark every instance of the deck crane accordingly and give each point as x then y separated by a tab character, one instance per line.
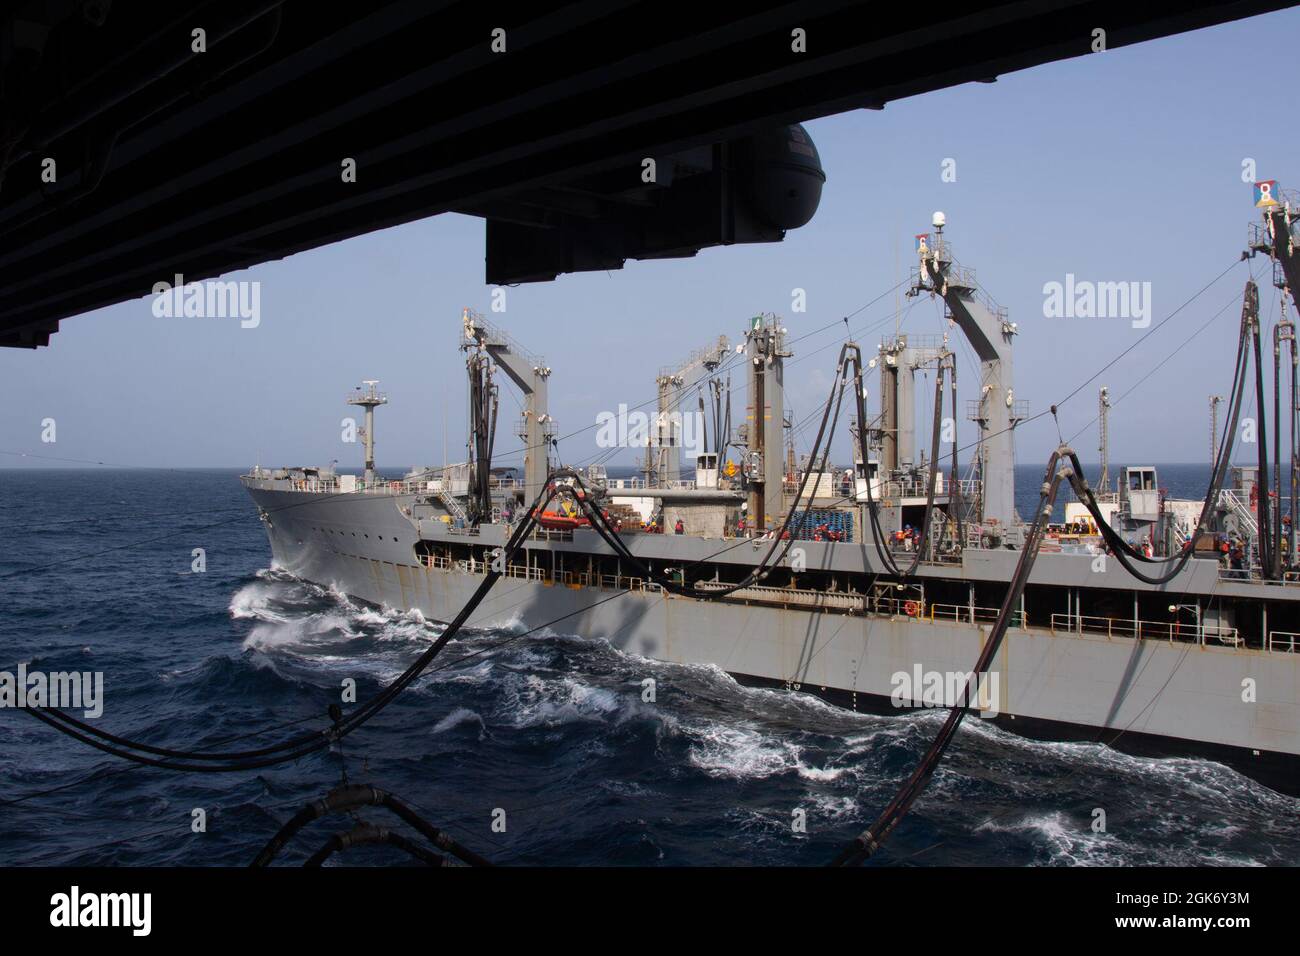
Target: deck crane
663	452
990	334
1276	236
530	373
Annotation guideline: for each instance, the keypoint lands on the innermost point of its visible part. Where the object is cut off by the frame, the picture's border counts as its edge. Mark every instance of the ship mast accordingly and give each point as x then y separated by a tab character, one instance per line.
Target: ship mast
764	468
369	399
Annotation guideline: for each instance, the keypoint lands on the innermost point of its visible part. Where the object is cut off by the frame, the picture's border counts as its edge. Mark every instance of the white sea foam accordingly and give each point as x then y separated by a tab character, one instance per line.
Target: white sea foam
254	601
741	752
536	702
459	716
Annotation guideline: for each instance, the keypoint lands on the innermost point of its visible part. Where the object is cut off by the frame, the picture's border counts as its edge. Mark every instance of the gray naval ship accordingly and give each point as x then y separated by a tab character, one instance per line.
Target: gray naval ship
896	570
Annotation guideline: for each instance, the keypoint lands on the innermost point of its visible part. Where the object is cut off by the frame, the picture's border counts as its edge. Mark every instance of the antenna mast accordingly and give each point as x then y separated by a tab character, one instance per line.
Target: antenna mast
1103	445
1214	427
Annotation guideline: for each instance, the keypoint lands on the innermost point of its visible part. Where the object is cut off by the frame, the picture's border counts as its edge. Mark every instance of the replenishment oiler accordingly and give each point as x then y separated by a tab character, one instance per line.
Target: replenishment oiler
1157	626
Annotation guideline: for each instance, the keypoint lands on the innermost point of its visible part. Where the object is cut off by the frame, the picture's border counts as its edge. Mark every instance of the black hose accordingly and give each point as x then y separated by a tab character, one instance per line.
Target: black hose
871	839
350	797
367	834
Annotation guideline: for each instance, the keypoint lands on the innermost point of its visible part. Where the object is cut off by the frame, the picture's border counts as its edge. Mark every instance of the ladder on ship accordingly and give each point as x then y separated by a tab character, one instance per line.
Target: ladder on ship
452	505
1244	513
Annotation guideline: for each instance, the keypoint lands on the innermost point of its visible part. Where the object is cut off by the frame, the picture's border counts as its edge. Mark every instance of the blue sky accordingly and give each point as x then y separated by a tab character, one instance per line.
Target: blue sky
1119	166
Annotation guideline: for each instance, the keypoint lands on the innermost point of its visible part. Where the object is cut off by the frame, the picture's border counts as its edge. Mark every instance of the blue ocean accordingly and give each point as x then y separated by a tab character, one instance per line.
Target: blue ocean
96	573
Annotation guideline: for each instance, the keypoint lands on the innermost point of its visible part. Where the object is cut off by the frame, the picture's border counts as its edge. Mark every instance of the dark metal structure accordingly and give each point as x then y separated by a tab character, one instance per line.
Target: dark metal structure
129	155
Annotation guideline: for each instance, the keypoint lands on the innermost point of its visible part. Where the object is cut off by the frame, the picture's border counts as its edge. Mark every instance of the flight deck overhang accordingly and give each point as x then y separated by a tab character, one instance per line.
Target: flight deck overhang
169	161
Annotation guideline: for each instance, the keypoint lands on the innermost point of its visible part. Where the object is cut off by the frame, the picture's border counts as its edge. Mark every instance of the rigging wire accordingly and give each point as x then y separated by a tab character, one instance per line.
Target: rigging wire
1092	378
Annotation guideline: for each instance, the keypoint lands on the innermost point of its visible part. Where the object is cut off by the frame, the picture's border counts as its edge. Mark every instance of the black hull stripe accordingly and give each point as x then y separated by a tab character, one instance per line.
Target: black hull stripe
1274	769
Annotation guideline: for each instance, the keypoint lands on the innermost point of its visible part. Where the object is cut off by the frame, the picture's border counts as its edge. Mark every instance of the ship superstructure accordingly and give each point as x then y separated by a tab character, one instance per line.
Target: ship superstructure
886	573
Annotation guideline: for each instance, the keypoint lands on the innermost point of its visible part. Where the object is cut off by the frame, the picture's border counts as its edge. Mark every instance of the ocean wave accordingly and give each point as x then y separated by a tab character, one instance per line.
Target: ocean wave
534	701
458	718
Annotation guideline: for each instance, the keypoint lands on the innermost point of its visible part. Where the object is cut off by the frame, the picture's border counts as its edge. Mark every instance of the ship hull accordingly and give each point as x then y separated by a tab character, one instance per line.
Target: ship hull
1235	705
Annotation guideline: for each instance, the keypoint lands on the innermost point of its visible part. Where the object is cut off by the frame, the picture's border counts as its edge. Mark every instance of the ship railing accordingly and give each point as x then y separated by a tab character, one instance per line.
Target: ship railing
317	485
527	573
607	582
1284	641
962	614
911	487
1145	630
536	572
916	487
620	582
1253	576
898	607
475	566
614	485
961	277
331	485
624	484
